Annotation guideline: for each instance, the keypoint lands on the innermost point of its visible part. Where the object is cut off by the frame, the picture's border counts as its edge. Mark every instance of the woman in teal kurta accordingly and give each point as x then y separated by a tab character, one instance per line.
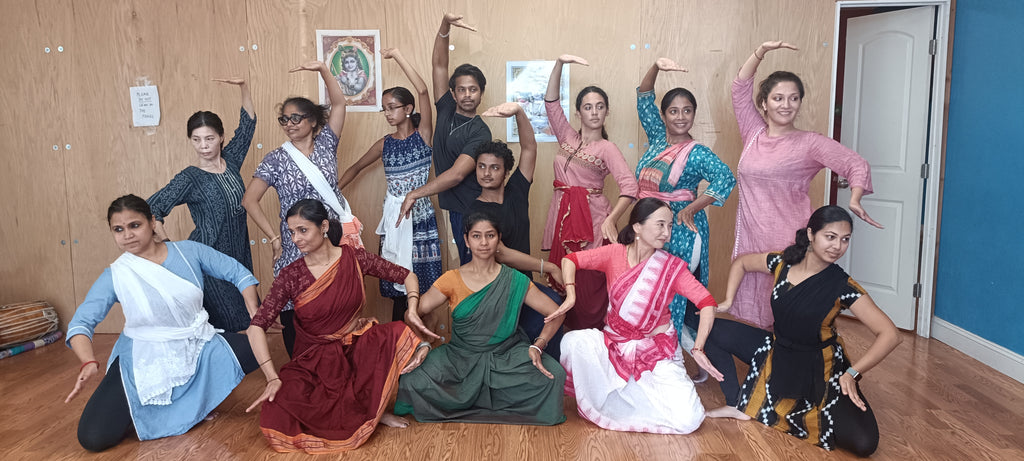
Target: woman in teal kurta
671	170
489	372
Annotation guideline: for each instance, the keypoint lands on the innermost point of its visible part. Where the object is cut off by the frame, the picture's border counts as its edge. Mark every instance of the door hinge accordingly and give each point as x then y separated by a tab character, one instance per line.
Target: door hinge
924	171
933	47
917	290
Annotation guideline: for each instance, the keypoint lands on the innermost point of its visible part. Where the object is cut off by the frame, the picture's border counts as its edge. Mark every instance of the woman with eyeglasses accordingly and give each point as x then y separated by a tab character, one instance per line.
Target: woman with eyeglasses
212	189
305	166
406	155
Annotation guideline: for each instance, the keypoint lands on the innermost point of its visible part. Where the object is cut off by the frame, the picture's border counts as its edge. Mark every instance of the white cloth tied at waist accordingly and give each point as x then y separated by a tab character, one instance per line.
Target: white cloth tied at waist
396	245
165	319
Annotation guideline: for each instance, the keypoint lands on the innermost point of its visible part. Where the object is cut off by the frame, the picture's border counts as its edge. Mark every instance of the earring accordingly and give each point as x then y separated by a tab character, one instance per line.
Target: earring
325	234
406	115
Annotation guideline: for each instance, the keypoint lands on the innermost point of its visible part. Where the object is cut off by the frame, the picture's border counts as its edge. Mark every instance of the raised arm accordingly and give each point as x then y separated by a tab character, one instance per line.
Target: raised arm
749	67
246	96
754	262
335	95
426	125
439	58
527	140
554	82
372	155
662	64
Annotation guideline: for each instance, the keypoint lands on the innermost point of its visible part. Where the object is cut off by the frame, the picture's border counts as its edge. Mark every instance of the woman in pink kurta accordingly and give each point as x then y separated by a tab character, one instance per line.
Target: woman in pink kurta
581	216
775	172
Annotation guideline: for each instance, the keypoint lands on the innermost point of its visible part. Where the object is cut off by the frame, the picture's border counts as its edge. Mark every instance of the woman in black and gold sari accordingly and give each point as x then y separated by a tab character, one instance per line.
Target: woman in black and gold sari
801	381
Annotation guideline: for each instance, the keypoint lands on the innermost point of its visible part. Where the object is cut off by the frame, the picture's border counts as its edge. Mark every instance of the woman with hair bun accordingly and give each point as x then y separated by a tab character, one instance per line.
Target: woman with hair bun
333	393
581	216
406	153
169	368
212	189
629	376
801	380
775	171
305	166
671	170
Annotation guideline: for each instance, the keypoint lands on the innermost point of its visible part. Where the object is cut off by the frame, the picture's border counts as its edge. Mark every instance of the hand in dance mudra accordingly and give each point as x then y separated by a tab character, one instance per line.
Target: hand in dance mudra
314	66
504	110
668	65
88	371
269	392
456	20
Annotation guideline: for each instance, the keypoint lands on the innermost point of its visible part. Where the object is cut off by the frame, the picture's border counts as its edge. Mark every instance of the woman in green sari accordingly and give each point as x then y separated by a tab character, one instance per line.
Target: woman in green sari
489	372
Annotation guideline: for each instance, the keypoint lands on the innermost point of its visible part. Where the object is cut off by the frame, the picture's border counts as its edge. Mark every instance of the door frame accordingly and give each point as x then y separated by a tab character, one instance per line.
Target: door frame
936	141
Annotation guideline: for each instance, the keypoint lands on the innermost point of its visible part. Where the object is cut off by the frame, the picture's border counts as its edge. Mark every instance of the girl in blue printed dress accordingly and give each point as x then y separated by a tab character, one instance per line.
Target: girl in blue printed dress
406	156
671	170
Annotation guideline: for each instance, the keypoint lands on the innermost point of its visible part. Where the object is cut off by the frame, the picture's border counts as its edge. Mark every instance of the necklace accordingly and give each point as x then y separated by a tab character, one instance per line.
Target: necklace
452	128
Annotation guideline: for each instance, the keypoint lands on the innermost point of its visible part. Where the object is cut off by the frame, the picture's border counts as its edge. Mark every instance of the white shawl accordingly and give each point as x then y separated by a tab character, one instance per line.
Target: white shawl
165	319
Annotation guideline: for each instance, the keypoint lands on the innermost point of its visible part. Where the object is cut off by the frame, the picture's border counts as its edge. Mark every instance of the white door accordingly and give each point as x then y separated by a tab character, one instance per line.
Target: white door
886	88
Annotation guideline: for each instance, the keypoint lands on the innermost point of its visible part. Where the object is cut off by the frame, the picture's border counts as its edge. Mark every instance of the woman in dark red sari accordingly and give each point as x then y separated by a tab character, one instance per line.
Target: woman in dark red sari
344	373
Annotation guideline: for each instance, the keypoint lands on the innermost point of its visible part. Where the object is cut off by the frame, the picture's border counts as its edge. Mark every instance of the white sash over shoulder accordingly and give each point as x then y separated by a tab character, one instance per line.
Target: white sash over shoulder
165	319
319	182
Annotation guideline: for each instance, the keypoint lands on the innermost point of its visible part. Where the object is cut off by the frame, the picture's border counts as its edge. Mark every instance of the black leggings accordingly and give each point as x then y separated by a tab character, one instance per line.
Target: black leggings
107	420
856	430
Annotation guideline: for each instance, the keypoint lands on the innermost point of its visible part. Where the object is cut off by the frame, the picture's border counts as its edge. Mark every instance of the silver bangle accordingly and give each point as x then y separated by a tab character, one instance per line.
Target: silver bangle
424	344
542	267
444	35
535	347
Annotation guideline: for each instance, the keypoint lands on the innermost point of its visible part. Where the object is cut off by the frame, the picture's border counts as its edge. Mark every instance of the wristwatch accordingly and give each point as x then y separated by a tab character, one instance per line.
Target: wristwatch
856	374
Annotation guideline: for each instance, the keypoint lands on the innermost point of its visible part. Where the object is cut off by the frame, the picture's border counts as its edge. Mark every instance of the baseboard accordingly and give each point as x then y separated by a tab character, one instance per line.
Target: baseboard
998	357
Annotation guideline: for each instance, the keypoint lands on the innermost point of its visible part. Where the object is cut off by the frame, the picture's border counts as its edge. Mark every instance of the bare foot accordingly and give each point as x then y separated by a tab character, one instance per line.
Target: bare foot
212	416
728	412
391	420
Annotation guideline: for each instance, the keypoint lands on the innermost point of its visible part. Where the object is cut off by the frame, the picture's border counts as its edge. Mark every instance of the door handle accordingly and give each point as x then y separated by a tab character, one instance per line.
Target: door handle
842	182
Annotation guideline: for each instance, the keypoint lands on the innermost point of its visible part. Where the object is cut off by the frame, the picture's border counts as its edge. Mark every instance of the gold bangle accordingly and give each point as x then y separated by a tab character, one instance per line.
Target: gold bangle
276	238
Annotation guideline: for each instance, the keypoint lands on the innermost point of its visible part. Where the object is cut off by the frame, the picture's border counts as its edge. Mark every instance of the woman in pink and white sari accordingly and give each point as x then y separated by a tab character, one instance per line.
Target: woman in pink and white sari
630	375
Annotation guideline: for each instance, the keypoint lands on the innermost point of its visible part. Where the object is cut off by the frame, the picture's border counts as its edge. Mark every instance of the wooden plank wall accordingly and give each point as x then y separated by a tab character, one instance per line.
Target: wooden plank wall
80	97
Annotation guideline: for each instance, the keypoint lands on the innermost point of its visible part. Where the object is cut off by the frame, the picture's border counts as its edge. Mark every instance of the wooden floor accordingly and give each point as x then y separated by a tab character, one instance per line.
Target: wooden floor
932	403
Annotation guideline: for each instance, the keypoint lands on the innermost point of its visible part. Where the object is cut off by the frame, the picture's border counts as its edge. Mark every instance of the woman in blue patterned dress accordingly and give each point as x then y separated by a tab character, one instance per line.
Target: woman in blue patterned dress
406	156
671	169
212	189
313	133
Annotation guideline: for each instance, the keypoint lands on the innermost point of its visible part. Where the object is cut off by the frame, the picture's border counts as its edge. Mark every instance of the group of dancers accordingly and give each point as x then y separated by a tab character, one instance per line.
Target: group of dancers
611	328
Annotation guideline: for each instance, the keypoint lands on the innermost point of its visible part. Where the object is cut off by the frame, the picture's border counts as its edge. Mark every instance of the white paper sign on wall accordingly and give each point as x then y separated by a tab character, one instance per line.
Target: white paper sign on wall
145	105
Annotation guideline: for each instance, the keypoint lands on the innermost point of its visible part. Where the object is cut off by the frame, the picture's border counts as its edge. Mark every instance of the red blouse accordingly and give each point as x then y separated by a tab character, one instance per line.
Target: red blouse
296	278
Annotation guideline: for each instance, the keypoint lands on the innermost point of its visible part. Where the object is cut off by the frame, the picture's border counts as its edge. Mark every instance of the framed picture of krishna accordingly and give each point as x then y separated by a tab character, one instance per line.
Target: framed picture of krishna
353	56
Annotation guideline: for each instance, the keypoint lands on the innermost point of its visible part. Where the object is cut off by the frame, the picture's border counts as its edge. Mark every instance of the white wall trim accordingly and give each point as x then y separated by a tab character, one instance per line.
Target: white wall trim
998	357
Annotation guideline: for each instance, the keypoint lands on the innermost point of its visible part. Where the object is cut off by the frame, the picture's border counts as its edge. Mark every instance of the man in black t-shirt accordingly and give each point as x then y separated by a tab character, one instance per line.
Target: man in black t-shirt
457	133
509	205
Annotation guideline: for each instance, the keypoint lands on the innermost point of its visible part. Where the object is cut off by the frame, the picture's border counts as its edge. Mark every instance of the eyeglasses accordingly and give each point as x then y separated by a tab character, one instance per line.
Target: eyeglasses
294	118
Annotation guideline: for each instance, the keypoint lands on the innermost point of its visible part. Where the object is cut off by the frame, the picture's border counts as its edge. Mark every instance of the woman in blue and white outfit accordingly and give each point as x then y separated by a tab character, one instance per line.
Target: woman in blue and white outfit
169	368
